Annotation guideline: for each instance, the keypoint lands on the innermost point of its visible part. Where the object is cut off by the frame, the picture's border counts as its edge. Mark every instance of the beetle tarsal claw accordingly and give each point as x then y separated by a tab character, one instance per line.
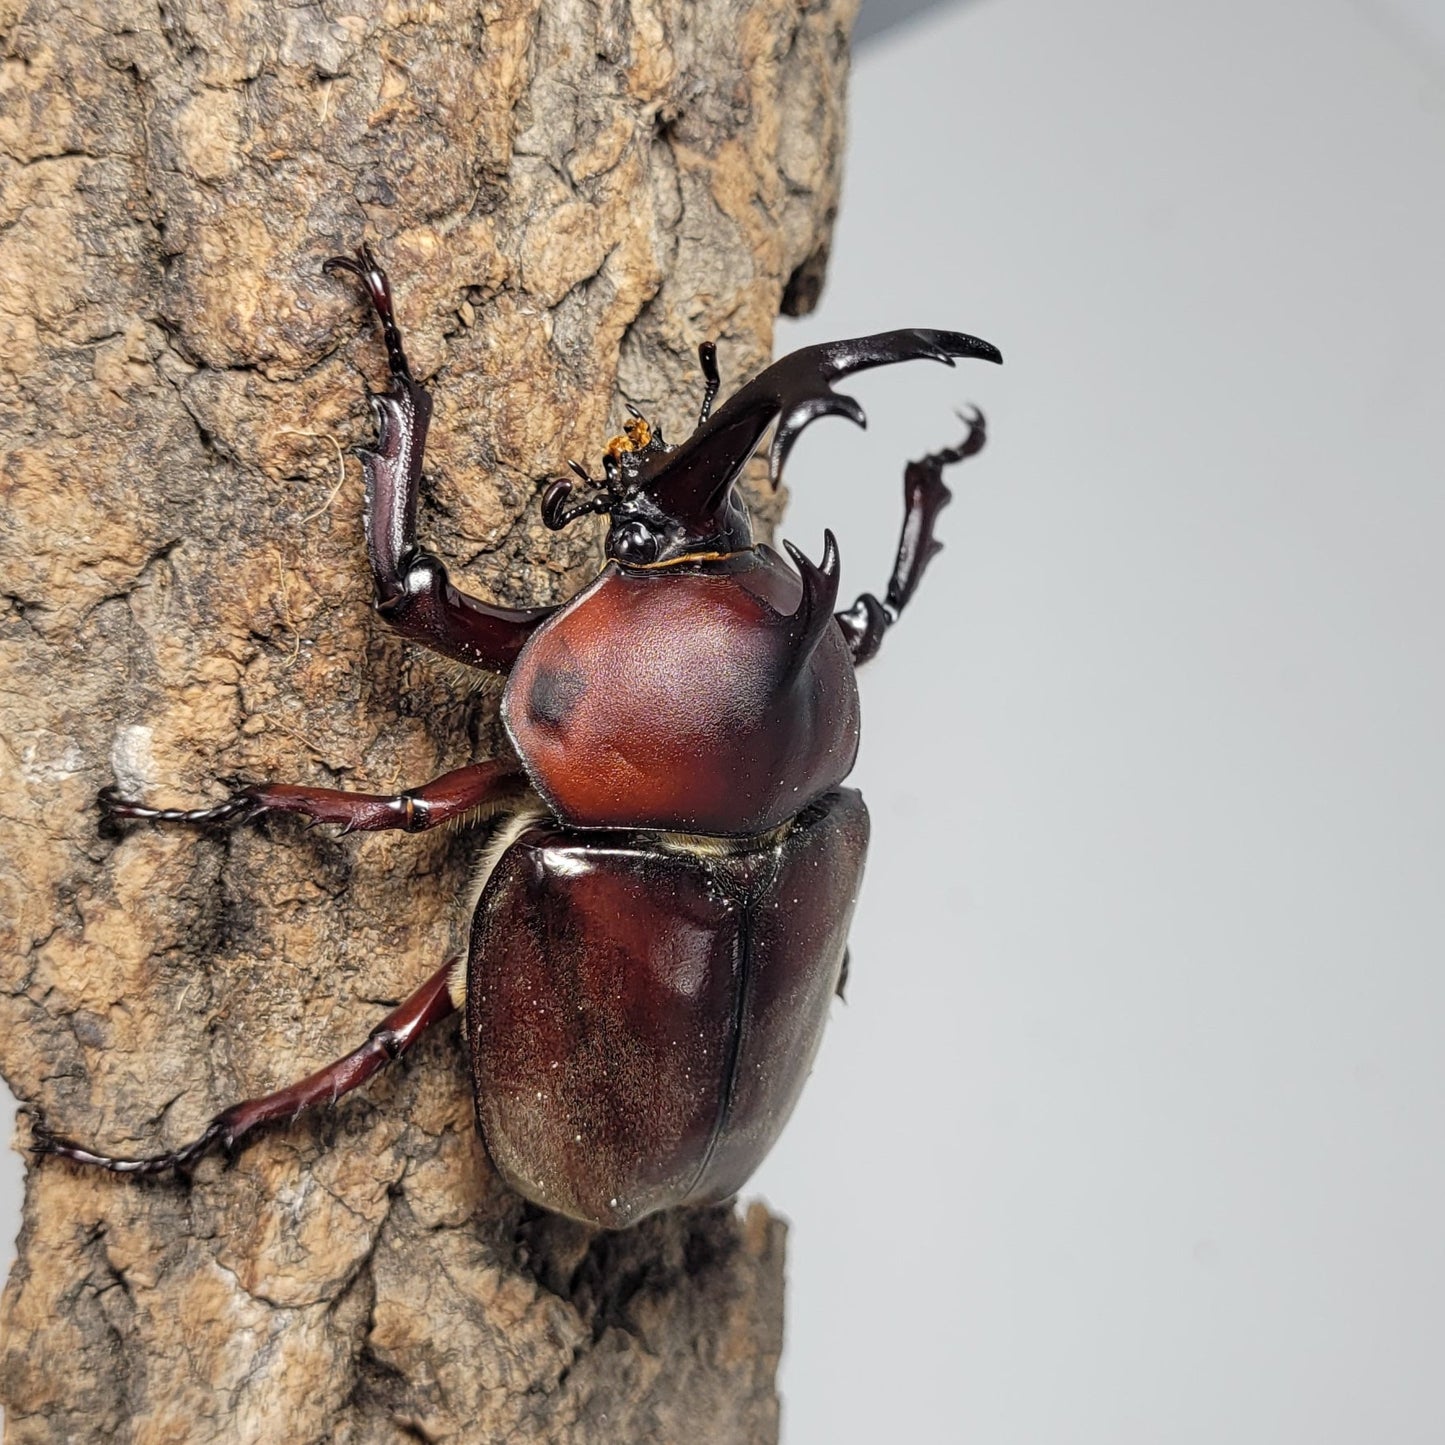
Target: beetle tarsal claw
973	439
42	1137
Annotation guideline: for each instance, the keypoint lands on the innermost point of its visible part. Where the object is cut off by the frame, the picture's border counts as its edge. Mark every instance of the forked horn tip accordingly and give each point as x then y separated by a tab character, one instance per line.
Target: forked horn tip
820	582
790	425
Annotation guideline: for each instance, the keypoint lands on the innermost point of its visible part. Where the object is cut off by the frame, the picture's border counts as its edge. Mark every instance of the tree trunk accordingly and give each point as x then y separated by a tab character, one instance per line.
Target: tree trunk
569	197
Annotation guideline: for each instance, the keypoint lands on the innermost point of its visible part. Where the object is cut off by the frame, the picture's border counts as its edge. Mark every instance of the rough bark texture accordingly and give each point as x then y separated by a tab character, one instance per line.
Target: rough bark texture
570	196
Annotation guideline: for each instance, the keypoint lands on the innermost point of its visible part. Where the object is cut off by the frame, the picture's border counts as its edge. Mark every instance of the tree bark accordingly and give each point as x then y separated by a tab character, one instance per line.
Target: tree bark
569	196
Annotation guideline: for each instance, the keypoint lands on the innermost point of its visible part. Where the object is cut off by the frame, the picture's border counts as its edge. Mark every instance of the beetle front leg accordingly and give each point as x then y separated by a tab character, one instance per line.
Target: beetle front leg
442	800
413	592
396	1033
924	497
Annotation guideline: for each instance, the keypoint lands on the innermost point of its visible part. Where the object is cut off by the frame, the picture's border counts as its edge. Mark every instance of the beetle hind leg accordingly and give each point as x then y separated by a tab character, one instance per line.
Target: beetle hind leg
232	1127
924	496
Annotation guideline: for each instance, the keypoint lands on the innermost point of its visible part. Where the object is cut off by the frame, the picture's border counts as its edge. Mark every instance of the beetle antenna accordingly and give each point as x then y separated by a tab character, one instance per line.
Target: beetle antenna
583	473
554	509
556	514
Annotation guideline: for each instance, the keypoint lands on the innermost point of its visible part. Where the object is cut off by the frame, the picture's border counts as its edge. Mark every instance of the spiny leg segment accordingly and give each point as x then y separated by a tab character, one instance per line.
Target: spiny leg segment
924	497
707	355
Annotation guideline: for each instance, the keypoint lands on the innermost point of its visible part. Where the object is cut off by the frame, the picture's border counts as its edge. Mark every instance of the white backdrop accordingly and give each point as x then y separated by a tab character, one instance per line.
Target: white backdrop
1131	1128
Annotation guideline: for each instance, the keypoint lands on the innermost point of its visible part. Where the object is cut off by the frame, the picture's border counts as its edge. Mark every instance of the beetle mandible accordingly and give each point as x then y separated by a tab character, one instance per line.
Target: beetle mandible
662	915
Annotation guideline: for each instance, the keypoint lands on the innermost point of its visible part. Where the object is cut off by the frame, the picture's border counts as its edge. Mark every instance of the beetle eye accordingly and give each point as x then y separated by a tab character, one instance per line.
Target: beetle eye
634	543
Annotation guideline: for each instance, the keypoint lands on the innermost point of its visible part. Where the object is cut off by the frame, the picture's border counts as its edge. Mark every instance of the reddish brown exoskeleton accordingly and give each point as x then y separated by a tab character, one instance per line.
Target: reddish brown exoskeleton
664	909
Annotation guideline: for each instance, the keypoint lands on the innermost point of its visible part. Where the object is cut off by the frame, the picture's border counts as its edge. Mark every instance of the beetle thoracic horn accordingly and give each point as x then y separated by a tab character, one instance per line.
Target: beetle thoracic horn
820	596
692	482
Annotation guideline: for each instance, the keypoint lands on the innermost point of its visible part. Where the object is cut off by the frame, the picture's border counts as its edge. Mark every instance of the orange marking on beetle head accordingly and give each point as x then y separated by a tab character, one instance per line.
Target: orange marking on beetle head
637	435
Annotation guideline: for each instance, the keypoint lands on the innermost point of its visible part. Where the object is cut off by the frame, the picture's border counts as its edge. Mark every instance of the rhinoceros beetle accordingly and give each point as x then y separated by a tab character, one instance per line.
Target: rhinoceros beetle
662	914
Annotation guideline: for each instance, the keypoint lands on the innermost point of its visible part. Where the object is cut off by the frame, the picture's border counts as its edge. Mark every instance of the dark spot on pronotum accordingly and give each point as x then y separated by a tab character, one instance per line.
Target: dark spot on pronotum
555	692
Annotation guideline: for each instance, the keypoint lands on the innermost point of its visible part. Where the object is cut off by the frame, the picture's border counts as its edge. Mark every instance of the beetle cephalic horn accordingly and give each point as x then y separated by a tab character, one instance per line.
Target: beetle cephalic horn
814	613
692	482
842	358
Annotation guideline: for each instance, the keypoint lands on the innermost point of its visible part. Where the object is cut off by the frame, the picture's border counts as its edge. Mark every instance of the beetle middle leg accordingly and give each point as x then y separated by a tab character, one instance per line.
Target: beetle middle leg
443	800
924	497
391	1038
413	592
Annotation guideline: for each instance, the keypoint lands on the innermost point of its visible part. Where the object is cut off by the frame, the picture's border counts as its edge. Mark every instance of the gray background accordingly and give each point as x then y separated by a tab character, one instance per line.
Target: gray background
1130	1130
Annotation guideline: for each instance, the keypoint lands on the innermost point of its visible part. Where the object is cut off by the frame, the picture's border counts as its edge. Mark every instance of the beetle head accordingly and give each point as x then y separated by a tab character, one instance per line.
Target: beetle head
670	503
651	523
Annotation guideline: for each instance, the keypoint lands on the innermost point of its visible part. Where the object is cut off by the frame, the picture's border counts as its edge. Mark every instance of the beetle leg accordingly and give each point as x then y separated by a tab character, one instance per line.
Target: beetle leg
396	1033
413	592
442	800
924	497
707	355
